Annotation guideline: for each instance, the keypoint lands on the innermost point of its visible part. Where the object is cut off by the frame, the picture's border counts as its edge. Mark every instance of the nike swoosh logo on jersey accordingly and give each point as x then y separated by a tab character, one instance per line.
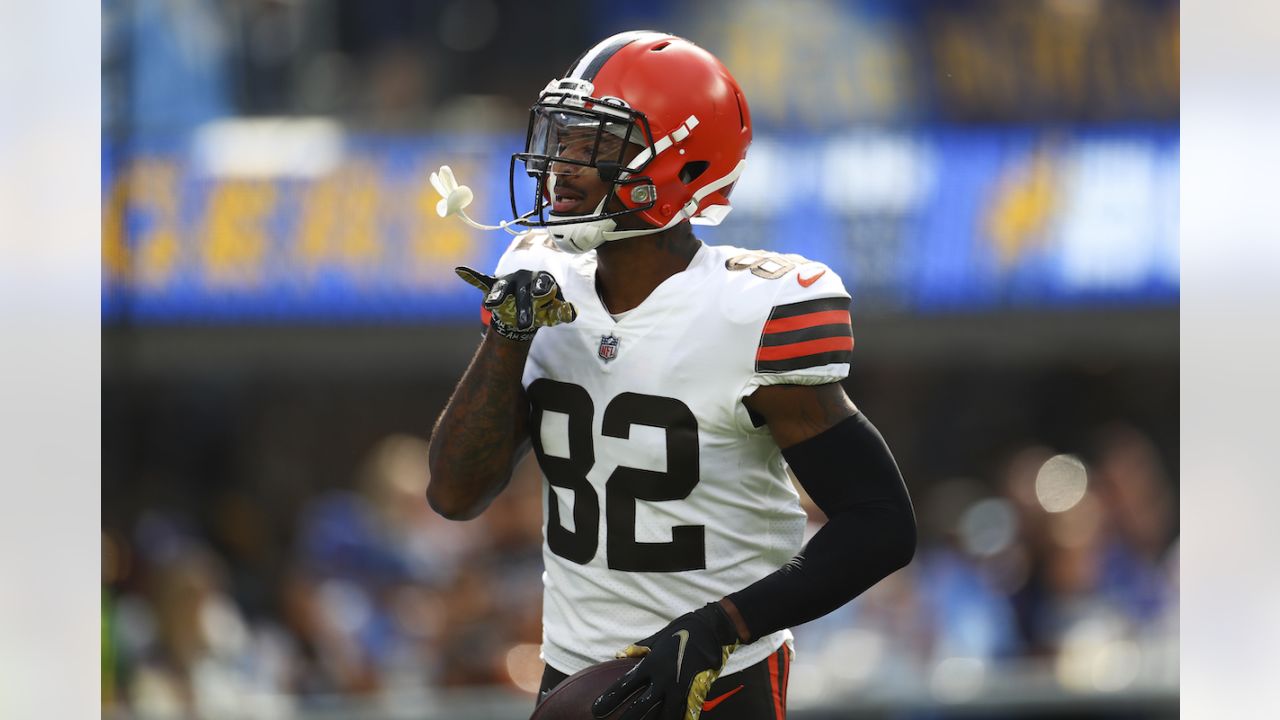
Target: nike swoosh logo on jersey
684	638
710	704
806	282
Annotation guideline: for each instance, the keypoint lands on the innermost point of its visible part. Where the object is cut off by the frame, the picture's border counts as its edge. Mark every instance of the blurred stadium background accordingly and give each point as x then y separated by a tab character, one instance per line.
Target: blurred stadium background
996	180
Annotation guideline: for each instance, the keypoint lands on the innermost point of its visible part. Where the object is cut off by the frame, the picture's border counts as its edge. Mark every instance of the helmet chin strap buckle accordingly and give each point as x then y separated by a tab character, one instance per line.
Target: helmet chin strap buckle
582	236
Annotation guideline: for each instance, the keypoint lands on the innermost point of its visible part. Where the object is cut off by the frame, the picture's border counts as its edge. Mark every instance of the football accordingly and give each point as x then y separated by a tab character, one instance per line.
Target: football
571	699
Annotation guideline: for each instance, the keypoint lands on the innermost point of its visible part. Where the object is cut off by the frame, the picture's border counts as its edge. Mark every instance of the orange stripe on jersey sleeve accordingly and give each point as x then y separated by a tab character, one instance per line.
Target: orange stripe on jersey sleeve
808	347
806	334
800	322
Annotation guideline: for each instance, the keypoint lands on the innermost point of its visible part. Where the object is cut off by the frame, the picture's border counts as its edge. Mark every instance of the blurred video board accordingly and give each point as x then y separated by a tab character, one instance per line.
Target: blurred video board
960	219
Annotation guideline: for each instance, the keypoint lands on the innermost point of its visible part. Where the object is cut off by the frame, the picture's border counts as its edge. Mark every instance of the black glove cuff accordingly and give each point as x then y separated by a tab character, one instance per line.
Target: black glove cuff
715	616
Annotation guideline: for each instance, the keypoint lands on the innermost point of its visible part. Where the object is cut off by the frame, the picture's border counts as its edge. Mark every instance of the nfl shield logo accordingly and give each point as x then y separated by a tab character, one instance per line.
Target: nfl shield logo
608	347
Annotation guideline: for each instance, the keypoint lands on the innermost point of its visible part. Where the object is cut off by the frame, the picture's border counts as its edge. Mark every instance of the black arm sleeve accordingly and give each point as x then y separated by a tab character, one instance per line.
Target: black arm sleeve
870	531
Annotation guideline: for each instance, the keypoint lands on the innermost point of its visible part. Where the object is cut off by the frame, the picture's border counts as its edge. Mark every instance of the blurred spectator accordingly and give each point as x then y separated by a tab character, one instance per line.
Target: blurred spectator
382	533
388	595
1136	494
966	613
1096	537
1067	564
361	598
189	649
177	63
269	38
399	92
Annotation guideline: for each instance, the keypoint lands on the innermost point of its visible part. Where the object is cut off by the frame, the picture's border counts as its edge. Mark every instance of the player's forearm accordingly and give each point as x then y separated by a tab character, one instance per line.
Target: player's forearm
477	436
870	531
849	555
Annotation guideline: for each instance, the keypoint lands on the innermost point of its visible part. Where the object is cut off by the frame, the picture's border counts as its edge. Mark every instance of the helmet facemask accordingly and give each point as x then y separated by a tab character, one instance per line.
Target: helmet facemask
571	132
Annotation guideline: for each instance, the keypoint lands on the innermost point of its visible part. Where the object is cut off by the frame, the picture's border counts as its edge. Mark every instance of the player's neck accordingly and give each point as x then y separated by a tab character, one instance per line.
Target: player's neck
627	271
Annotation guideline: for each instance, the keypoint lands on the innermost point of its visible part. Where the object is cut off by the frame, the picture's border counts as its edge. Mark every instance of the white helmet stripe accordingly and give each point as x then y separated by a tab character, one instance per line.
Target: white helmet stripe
663	143
591	62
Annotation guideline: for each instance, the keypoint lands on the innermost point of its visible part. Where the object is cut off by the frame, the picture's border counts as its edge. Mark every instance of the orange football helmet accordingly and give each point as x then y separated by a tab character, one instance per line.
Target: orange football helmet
658	117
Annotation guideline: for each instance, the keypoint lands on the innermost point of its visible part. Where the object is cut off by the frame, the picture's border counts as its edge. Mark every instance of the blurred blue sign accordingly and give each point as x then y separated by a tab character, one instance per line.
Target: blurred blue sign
925	221
361	242
972	219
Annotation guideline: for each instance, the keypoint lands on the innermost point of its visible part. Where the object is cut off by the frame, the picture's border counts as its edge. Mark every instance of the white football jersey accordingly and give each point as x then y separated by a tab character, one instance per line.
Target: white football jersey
662	494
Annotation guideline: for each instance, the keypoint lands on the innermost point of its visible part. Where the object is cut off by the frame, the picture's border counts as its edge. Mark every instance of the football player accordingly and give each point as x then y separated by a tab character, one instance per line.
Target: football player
666	386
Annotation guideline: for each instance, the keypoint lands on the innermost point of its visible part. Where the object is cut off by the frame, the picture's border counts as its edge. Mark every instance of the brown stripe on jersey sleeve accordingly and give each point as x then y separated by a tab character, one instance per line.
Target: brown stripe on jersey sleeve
809	306
806	334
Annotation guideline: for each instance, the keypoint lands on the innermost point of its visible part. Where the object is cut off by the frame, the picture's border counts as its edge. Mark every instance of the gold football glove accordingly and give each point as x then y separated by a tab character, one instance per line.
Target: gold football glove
521	302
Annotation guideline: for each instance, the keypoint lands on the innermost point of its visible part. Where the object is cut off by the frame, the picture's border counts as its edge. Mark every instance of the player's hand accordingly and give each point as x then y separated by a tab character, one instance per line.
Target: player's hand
680	662
521	302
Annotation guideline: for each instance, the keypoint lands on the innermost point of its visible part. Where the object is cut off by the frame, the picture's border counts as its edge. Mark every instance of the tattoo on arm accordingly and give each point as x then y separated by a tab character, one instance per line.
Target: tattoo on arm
484	425
831	407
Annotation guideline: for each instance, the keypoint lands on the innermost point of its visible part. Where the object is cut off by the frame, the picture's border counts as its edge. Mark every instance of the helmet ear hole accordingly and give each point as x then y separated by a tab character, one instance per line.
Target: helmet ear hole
692	170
